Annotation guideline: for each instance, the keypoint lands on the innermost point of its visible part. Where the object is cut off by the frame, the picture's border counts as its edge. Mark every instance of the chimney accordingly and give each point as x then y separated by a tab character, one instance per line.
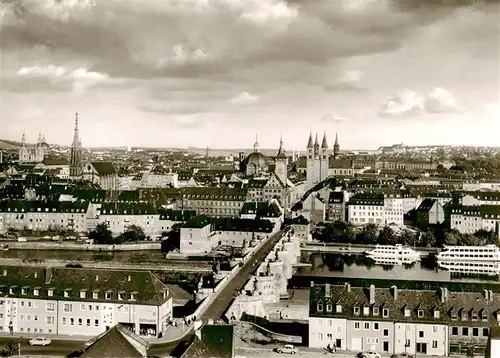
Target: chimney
372	294
129	278
486	295
490	295
394	290
97	277
327	290
444	294
48	275
348	286
312	283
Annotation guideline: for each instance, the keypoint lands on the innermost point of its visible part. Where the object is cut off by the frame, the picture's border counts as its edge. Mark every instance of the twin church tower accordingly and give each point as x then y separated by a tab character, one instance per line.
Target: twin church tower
319	162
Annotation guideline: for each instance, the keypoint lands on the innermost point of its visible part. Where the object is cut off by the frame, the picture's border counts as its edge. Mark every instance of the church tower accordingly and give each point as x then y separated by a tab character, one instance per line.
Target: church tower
75	153
23	151
256	147
336	147
324	159
281	163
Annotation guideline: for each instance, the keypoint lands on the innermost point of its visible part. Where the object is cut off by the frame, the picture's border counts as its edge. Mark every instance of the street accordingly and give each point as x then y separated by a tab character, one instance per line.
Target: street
217	308
57	347
303	351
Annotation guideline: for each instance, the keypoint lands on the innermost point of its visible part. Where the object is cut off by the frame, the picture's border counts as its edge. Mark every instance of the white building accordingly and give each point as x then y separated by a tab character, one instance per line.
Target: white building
479	198
470	219
197	236
80	302
366	208
120	216
473	186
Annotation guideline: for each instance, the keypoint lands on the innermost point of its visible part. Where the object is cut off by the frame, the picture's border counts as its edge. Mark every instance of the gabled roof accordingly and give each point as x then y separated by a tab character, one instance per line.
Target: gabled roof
115	342
426	205
214	340
104	168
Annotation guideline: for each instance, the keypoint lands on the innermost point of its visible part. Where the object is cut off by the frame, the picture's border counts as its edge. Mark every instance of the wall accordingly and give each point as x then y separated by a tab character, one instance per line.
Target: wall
273	335
372	335
44	245
324	331
232	238
197	240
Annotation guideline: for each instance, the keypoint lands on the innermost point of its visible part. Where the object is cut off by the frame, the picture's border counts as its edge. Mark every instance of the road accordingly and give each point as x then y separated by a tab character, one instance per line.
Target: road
57	347
217	308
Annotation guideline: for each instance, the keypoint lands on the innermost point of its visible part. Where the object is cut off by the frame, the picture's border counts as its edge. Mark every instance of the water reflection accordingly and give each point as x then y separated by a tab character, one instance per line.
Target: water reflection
338	265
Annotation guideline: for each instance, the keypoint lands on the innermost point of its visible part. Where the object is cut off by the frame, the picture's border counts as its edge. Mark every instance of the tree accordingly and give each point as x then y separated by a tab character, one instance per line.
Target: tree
101	235
11	349
133	233
451	238
369	234
386	236
427	239
406	237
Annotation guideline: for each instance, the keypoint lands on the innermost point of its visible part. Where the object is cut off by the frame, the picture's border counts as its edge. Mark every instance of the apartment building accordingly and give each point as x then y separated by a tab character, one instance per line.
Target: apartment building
473	186
40	215
214	201
336	210
366	208
168	218
86	302
478	198
396	320
470	219
120	216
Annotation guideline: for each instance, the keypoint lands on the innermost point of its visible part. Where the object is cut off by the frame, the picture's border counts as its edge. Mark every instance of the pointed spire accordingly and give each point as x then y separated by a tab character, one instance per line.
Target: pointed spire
256	145
40	137
316	141
324	144
336	139
310	142
76	135
23	139
281	150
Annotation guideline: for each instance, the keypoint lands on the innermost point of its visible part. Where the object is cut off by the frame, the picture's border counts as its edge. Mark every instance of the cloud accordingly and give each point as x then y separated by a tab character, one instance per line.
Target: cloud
244	98
440	100
329	118
349	81
404	104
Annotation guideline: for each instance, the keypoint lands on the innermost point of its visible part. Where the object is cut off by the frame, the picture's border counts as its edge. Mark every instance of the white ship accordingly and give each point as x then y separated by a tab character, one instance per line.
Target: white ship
393	255
470	259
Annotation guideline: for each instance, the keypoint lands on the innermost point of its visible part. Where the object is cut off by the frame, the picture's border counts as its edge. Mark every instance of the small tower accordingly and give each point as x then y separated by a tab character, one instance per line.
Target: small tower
324	159
23	151
316	147
256	147
39	148
281	163
76	152
336	147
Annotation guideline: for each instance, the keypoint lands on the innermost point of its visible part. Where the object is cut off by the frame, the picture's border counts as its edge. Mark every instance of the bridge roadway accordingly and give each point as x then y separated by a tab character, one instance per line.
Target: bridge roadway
356	249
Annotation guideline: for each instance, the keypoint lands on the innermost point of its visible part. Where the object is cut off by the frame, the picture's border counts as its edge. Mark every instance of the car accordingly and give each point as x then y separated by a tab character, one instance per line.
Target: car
369	354
402	355
40	341
287	349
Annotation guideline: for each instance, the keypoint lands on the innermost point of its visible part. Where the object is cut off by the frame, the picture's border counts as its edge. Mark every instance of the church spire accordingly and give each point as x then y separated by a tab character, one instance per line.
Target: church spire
256	145
76	135
76	152
324	145
281	150
316	141
336	146
310	142
23	139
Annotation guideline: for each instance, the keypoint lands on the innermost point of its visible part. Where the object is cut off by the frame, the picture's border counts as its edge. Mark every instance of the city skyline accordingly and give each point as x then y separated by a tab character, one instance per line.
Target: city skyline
215	73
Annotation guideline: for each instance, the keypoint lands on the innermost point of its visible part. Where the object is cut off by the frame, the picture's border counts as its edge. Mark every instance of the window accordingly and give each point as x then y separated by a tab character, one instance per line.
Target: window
108	295
407	312
50	319
68	307
338	309
96	323
421	334
95	295
366	311
24	291
121	296
434	329
356	325
367	325
320	307
385	312
434	344
72	321
51	306
454	331
35	318
407	343
375	326
36	292
420	313
486	332
133	296
465	331
386	332
475	332
329	337
63	321
80	321
356	310
83	294
375	311
66	293
474	316
82	307
436	314
320	336
88	322
50	292
484	315
329	308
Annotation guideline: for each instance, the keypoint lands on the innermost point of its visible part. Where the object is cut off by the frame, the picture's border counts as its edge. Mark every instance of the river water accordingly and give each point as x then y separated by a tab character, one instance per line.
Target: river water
360	266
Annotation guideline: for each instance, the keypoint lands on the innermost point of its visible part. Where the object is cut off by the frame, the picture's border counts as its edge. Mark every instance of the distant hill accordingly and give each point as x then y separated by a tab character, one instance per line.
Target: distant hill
9	144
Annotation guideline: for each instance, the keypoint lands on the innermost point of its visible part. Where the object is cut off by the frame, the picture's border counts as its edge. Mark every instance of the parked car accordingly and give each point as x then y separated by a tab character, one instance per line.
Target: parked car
40	341
402	355
287	349
369	354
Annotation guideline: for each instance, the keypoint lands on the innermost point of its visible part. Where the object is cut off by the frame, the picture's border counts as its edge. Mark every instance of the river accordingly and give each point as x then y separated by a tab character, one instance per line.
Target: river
360	266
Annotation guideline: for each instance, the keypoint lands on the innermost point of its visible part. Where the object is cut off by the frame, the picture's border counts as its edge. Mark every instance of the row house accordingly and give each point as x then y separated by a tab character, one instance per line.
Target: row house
366	208
38	215
478	198
475	186
397	321
336	210
470	219
120	216
214	201
83	302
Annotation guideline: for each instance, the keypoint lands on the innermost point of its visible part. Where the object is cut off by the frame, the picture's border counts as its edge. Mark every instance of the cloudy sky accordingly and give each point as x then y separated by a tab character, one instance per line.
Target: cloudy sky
217	72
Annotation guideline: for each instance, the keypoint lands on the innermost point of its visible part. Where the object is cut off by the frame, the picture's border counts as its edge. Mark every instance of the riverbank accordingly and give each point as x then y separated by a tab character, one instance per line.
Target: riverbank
56	245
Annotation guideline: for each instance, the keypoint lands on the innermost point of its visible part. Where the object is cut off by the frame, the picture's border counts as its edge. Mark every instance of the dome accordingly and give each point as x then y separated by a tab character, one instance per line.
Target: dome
256	158
254	164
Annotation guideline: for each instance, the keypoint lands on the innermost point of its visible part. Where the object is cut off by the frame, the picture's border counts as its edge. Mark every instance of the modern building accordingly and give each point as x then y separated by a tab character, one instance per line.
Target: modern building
336	210
214	201
422	322
470	219
83	302
366	208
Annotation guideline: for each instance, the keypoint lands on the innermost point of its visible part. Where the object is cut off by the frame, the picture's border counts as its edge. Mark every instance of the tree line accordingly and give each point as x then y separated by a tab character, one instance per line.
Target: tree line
103	236
344	232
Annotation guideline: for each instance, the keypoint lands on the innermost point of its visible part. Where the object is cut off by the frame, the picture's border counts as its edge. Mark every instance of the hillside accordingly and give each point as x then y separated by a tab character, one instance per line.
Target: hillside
8	144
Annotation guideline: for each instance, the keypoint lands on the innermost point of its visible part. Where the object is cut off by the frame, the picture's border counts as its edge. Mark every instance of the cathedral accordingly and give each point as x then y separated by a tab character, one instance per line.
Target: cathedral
321	163
32	154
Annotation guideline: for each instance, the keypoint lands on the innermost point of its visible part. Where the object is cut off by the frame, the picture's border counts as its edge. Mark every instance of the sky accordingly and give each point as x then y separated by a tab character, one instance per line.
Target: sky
217	73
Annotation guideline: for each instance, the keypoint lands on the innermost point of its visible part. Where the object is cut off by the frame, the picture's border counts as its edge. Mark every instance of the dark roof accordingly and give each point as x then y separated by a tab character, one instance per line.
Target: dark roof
113	343
24	206
427	301
226	194
177	215
485	211
148	288
336	197
230	224
128	196
426	205
104	168
298	220
257	183
340	163
55	161
127	209
212	340
198	222
485	195
367	199
92	195
261	209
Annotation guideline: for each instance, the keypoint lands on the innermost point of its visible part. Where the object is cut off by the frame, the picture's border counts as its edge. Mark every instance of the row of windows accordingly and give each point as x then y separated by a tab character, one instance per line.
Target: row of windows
108	295
71	321
466	331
